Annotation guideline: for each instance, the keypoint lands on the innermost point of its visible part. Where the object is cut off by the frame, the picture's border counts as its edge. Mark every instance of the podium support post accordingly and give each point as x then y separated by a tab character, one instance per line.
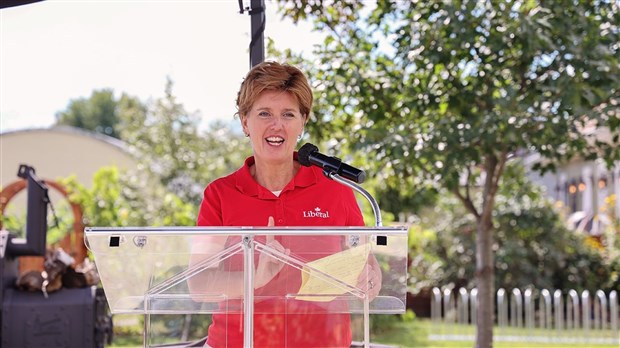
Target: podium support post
248	285
147	324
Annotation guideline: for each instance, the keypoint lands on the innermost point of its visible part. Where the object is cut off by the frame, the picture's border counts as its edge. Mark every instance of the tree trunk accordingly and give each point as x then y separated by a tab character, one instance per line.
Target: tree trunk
485	263
485	280
187	322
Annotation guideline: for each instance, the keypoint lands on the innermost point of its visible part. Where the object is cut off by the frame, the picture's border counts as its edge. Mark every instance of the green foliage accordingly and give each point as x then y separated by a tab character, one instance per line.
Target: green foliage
100	113
427	267
533	246
59	222
169	328
15	224
168	144
164	138
128	199
436	89
382	323
418	333
58	228
610	241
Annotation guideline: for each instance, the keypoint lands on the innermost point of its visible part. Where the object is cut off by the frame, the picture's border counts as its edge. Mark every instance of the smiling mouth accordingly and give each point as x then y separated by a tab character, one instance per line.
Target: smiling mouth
275	141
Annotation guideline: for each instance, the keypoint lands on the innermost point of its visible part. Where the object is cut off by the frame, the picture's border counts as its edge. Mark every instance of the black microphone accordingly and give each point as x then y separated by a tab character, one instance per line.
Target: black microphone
309	155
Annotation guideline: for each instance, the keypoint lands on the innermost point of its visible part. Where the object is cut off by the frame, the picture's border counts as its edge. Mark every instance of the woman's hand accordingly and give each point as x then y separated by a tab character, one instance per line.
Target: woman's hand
370	279
268	266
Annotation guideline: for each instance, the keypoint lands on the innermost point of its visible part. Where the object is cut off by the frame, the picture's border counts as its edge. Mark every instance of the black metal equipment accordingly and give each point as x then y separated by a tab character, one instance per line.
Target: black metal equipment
36	232
36	217
66	318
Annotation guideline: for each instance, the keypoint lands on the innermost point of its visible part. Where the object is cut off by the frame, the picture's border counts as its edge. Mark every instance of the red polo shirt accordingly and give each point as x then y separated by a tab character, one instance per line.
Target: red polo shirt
310	199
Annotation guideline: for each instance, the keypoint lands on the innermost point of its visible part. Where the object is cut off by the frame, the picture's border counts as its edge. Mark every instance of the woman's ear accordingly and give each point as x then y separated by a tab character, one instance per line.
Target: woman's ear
244	124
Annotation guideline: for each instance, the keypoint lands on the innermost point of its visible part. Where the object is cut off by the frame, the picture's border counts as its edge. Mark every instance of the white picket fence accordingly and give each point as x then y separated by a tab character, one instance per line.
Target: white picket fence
530	316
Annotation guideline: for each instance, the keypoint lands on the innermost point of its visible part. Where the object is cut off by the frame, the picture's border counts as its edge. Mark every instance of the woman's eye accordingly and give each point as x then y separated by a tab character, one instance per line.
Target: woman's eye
264	114
289	115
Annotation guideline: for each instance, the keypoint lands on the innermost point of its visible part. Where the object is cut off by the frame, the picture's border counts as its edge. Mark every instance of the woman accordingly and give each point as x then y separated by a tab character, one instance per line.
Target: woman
273	189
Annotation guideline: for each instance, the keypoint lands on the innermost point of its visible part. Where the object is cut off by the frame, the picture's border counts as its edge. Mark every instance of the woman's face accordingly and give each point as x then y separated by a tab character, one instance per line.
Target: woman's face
274	122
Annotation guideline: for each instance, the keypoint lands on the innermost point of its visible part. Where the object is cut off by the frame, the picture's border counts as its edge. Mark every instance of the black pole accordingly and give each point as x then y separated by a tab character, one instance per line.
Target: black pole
257	45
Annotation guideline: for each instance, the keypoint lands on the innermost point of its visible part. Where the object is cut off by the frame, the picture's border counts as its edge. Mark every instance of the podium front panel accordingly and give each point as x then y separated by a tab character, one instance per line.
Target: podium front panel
165	270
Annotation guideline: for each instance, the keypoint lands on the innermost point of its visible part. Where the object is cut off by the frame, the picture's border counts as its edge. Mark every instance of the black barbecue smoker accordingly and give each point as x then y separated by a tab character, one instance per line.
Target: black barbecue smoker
69	317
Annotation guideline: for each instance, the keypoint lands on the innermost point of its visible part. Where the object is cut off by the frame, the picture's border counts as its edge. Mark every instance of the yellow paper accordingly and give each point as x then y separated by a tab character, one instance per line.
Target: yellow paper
345	266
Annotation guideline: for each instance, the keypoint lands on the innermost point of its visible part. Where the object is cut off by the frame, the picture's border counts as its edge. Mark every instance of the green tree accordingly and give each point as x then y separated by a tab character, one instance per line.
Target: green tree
100	113
164	137
126	199
535	248
167	141
448	92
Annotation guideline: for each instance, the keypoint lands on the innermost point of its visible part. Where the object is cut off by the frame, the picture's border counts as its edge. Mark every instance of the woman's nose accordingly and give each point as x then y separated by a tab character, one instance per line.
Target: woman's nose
276	123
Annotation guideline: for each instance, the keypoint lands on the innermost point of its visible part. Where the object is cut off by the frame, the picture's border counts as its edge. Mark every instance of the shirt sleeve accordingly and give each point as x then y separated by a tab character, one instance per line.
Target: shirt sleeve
210	214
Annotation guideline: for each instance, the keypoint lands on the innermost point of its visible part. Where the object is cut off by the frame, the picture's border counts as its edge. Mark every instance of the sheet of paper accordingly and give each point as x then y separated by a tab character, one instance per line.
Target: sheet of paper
345	266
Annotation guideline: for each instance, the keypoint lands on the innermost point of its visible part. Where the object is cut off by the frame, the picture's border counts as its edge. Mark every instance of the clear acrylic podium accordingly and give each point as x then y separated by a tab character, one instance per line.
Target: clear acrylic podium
152	271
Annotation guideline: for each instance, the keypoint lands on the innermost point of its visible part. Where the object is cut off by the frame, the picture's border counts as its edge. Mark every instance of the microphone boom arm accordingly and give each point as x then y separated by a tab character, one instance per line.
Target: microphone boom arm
373	203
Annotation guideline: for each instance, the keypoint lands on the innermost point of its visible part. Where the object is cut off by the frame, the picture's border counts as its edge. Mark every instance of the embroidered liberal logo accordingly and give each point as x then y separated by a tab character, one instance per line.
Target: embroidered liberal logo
317	213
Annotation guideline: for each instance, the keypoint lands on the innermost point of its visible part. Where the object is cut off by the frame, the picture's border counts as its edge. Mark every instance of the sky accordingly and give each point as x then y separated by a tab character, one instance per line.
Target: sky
52	52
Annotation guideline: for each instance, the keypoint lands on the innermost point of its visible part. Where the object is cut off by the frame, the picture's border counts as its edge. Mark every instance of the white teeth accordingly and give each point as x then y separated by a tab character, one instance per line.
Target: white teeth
275	140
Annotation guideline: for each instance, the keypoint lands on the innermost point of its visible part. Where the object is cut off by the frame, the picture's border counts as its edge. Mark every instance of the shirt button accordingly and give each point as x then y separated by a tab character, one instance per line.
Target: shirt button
280	221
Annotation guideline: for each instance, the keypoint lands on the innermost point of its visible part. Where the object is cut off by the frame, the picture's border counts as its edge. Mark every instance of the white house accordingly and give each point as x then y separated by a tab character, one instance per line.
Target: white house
588	191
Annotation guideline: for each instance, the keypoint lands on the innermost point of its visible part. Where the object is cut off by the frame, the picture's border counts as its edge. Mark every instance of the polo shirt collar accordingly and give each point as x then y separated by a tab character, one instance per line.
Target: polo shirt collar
245	183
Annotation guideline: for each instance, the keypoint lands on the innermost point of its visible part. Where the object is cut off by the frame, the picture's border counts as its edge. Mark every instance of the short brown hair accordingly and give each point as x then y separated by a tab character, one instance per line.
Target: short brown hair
273	76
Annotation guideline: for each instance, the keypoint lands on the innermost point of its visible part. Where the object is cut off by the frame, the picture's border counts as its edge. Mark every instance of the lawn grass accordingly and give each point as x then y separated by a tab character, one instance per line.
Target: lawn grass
418	332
